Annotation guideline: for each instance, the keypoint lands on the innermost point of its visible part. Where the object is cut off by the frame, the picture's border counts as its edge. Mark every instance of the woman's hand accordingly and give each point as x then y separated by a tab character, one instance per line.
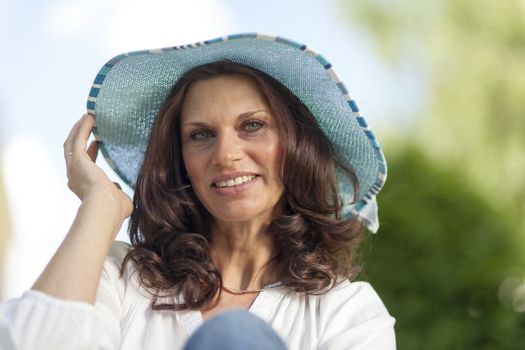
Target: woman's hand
74	271
85	178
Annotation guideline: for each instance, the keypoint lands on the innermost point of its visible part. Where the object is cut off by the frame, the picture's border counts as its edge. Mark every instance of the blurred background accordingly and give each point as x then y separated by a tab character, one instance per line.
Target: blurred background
442	84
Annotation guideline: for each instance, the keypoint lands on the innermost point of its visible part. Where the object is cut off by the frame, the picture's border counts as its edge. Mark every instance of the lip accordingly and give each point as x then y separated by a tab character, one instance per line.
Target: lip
236	190
231	176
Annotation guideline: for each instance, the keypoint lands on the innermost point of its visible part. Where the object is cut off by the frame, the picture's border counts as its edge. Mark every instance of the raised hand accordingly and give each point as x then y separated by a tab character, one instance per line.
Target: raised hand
74	271
84	176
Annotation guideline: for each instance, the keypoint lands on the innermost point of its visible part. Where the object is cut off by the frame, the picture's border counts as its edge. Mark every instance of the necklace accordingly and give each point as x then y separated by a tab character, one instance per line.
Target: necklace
240	291
247	291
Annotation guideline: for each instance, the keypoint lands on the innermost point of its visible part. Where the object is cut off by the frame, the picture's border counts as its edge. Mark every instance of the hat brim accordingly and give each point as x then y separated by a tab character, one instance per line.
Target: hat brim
130	89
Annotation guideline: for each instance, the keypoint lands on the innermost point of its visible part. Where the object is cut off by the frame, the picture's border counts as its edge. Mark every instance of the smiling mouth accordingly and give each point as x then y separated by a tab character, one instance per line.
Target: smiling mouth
234	182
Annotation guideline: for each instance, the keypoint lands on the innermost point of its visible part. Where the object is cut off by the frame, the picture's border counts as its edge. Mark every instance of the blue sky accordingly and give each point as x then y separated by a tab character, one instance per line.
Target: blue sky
52	50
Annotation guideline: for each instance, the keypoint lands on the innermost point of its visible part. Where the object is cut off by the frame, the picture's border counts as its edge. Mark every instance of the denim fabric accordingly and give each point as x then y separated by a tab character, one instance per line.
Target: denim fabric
235	330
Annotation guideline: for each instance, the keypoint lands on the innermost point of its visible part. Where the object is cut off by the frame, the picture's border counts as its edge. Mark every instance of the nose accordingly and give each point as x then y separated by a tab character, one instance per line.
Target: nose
228	149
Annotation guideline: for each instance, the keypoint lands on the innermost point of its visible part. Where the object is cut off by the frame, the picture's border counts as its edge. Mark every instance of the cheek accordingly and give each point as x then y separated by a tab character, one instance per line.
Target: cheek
280	161
278	157
191	163
272	155
187	165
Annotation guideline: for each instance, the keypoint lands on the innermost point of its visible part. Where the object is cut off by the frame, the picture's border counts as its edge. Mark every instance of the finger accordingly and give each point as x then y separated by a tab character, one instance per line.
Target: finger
84	130
68	144
92	150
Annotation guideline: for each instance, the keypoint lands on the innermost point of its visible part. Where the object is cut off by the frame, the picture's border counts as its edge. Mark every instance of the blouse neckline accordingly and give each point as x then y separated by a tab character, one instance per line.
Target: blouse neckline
261	306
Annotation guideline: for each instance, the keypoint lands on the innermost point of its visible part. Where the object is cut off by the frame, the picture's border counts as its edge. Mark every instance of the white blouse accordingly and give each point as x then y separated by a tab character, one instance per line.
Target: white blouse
350	316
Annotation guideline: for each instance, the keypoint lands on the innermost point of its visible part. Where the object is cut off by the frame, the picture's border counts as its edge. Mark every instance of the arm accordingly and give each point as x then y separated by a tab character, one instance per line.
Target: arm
59	311
75	269
38	318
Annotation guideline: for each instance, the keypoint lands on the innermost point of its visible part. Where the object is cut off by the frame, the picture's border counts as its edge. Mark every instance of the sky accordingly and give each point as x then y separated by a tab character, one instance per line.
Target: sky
52	50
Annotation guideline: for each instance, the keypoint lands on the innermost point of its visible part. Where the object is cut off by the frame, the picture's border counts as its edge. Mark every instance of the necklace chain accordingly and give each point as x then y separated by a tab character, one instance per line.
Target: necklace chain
240	291
247	291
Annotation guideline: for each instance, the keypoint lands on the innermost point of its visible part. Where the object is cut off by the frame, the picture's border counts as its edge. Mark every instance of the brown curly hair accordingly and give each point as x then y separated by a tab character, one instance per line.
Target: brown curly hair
170	228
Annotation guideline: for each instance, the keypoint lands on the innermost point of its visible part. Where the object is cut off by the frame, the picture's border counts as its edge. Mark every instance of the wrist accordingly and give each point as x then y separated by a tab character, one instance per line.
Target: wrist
108	203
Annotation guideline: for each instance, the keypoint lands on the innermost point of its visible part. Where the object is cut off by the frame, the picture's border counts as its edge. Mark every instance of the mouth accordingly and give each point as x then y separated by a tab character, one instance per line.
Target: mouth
237	181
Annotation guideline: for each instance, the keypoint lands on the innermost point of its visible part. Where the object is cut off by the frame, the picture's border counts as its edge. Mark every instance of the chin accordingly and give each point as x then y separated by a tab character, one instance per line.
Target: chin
240	214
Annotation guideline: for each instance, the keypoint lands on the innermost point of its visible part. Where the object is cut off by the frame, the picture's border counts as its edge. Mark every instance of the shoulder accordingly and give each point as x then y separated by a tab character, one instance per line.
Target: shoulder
116	287
113	263
358	299
116	255
118	251
352	313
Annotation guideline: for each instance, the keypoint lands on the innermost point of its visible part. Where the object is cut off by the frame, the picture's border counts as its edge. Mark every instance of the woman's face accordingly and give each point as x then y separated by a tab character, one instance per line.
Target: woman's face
231	149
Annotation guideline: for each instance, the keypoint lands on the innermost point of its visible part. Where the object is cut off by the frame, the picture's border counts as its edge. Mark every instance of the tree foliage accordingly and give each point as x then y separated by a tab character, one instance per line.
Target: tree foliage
448	260
440	258
471	54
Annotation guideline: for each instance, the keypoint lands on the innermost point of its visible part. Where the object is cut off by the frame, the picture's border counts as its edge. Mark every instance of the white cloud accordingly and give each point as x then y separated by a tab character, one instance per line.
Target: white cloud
41	209
3	6
127	25
159	23
74	18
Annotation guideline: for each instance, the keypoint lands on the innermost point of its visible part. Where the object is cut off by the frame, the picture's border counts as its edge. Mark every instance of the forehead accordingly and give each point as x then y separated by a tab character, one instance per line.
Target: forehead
229	94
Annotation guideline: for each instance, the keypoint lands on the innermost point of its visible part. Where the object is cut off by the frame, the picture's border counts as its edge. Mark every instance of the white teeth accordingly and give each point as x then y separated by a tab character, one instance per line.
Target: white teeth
234	182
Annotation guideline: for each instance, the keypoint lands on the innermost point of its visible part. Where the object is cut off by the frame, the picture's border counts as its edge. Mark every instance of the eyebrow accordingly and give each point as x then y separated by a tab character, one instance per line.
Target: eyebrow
241	117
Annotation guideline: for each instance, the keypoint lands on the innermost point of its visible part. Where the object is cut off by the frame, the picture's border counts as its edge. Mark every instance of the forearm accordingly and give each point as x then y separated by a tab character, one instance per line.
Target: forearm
74	271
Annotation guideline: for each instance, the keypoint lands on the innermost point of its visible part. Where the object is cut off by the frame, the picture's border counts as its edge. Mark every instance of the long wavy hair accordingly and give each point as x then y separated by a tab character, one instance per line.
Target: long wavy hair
170	228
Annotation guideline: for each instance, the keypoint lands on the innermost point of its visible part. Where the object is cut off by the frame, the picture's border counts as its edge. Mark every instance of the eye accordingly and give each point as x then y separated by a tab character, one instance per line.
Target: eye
253	125
201	135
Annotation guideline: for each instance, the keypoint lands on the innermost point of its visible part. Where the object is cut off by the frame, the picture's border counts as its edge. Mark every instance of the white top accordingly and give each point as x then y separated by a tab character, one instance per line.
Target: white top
350	316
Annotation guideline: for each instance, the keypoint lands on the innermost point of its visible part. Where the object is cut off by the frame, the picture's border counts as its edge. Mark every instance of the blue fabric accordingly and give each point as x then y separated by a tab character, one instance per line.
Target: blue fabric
235	330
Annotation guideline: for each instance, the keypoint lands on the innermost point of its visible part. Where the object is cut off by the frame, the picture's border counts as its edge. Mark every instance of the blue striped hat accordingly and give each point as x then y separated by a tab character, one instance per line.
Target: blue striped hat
130	89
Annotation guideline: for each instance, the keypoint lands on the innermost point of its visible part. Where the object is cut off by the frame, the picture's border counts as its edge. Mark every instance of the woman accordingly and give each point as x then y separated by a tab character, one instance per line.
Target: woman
247	198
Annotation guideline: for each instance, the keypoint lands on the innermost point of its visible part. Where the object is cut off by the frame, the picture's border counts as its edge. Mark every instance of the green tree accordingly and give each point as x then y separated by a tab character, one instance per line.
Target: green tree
440	258
449	257
471	54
